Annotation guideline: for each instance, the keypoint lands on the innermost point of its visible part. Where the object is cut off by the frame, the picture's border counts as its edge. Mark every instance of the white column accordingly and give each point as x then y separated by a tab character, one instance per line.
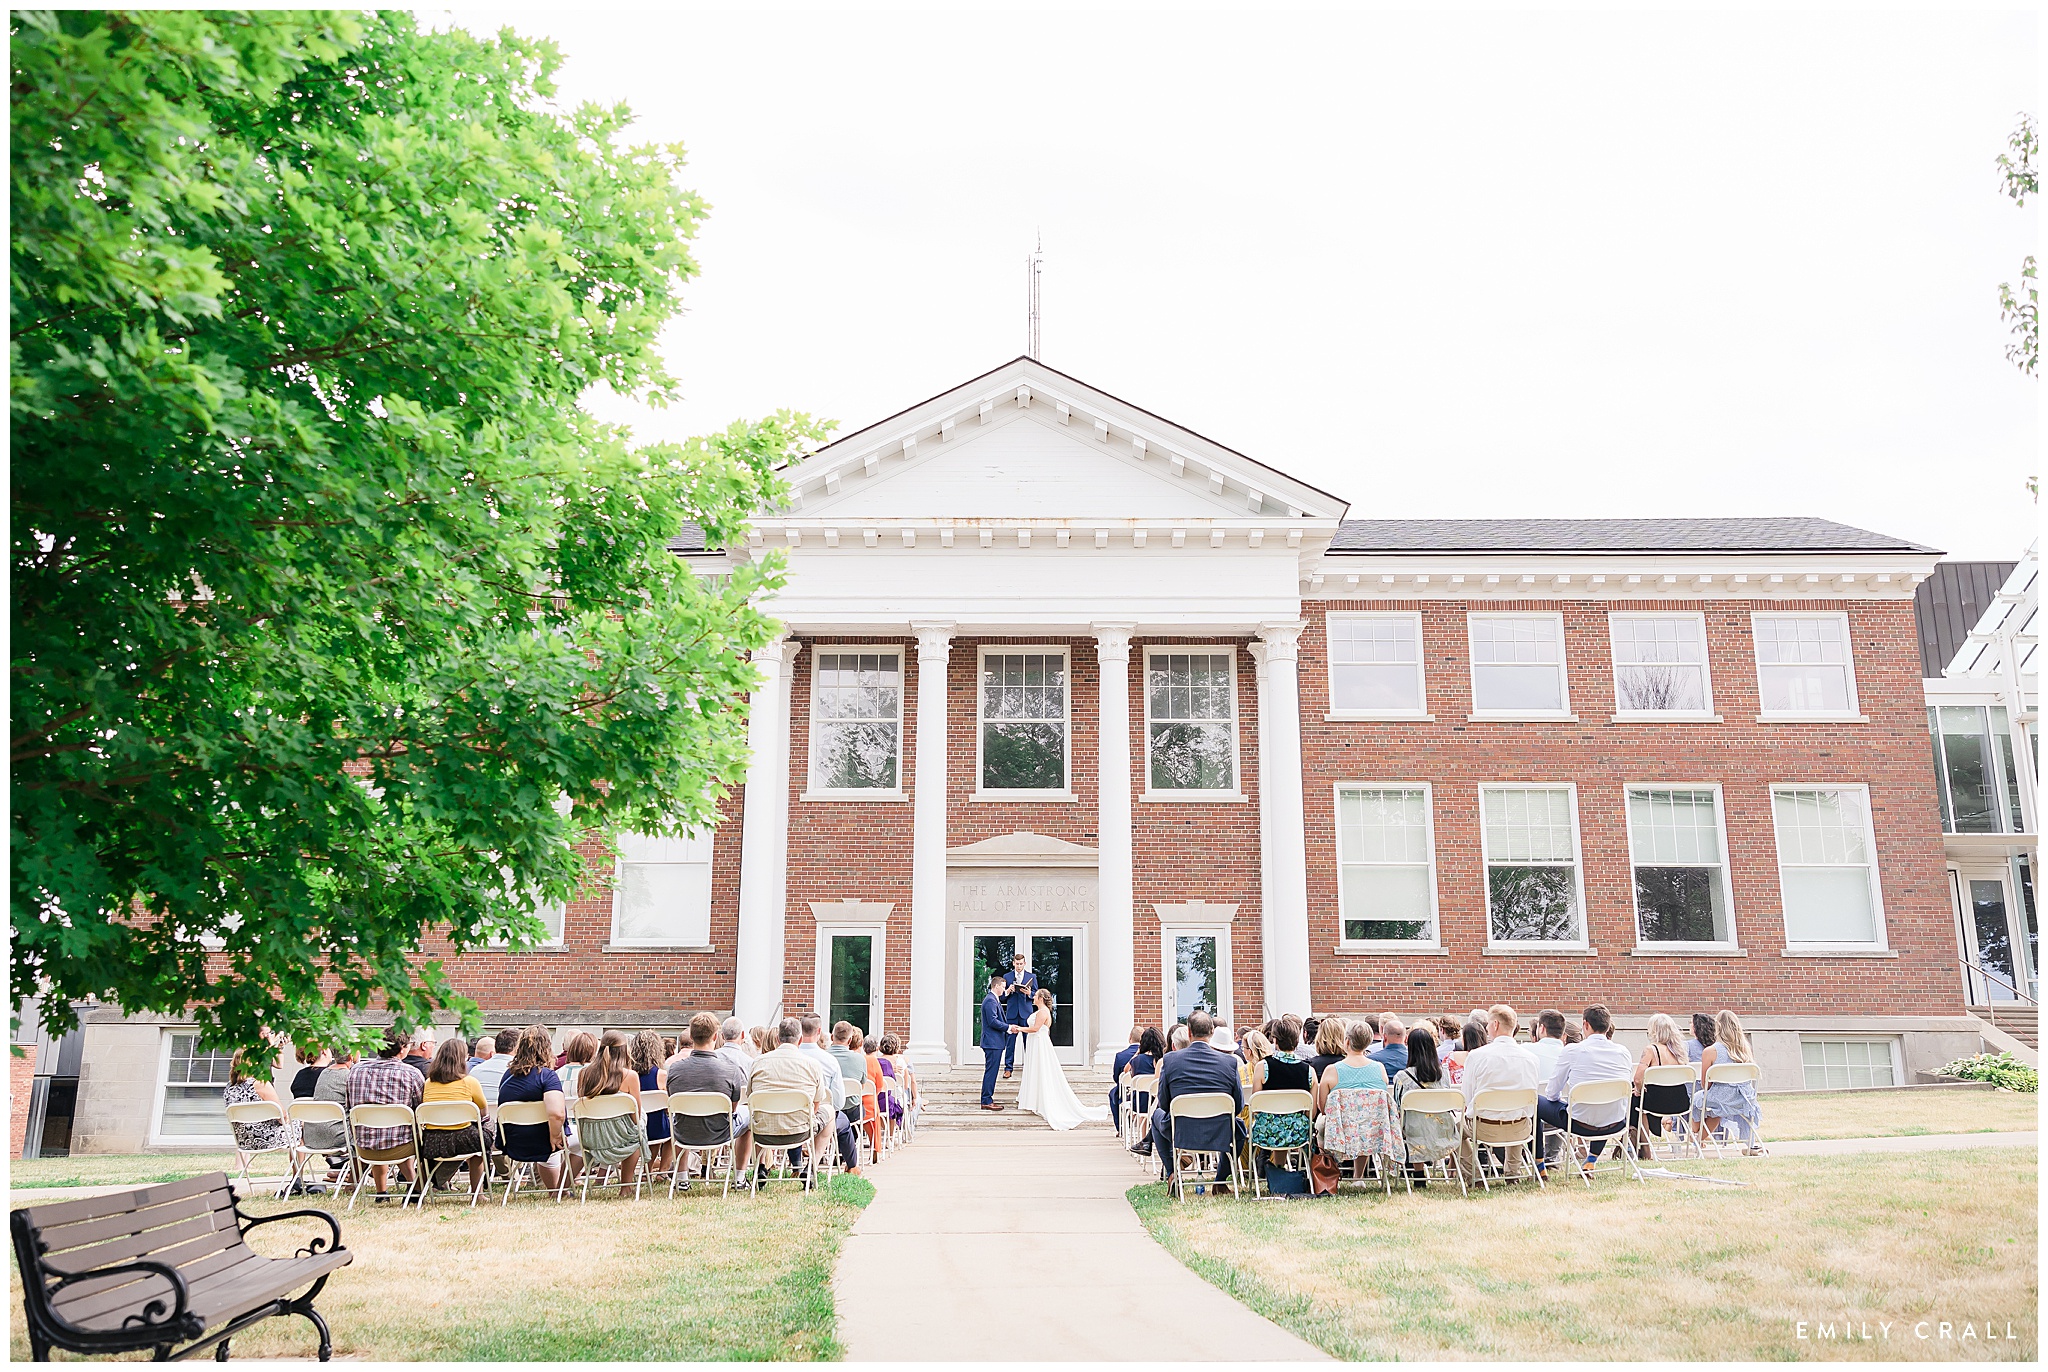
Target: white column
1115	932
1282	831
1258	652
928	850
757	963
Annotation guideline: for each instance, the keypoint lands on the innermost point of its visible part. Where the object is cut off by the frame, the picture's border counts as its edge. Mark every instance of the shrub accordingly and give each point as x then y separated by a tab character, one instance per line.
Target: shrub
2002	1070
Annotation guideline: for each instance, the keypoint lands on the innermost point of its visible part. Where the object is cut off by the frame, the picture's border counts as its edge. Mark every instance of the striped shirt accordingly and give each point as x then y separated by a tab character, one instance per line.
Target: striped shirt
384	1081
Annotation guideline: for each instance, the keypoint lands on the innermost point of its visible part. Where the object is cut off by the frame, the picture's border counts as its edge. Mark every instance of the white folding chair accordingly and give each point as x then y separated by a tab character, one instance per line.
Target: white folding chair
526	1112
445	1114
1137	1110
654	1101
260	1112
1207	1105
766	1108
863	1146
1279	1103
1370	1103
1515	1133
1444	1102
318	1112
383	1117
1676	1129
612	1105
704	1105
1733	1074
1579	1139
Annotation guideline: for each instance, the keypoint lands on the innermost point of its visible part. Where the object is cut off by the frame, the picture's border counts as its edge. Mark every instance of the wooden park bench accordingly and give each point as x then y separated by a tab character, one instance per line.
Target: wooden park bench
161	1266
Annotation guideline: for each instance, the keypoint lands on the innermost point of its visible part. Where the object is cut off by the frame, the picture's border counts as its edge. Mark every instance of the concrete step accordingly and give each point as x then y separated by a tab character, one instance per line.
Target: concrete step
2023	1022
952	1098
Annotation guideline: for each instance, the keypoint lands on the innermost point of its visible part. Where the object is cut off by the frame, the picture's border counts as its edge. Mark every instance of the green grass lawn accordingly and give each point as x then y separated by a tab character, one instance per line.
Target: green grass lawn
1659	1270
124	1169
1879	1114
699	1278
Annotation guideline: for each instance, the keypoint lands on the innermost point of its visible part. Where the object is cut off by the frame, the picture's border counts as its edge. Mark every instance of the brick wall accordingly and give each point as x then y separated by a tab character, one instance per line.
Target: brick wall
20	1083
1889	754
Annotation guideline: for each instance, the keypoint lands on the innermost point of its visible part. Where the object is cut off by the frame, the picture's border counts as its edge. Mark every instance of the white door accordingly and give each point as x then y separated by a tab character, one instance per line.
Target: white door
1054	954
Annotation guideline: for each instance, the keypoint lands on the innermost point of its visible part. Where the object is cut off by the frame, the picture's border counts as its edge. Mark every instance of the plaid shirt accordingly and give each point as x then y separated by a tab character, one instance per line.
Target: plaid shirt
383	1081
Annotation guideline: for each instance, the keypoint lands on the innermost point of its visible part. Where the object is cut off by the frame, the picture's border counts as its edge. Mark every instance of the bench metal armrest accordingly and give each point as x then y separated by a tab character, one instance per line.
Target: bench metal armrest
151	1315
313	1248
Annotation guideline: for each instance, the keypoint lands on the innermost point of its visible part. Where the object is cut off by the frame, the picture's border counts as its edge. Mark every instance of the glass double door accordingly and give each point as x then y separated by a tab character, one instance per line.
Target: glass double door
1998	932
1053	955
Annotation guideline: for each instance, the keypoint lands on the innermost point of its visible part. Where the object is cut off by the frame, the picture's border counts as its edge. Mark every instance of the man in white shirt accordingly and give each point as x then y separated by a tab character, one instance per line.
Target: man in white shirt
1597	1057
1499	1064
1548	1043
491	1070
732	1042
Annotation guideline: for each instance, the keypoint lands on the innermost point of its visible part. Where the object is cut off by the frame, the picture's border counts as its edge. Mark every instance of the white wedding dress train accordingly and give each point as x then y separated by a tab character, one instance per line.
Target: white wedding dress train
1044	1090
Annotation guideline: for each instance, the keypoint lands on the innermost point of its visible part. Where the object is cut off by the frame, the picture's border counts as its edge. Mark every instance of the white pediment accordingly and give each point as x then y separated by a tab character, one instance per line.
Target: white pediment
1022	849
1023	465
1027	442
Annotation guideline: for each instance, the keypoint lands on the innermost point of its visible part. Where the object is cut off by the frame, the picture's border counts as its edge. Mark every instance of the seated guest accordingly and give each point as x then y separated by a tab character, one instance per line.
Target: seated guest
1428	1137
491	1070
1499	1064
1302	1037
480	1052
1651	1103
789	1068
419	1053
385	1080
1355	1069
1392	1053
1199	1069
1329	1045
1449	1032
845	1107
1177	1037
448	1078
1596	1057
1310	1027
1348	1128
613	1141
1469	1041
851	1068
1116	1076
531	1076
763	1039
1548	1043
1144	1063
312	1062
246	1085
650	1054
1282	1070
1574	1033
1702	1037
706	1067
331	1139
894	1091
578	1053
1731	1102
733	1042
870	1081
1254	1050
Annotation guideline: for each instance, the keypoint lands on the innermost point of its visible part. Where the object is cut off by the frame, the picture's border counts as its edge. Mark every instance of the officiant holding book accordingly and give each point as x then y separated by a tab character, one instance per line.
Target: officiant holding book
1020	985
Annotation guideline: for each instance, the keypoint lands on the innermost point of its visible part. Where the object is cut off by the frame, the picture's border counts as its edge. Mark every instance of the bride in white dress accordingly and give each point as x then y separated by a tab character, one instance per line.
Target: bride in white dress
1044	1090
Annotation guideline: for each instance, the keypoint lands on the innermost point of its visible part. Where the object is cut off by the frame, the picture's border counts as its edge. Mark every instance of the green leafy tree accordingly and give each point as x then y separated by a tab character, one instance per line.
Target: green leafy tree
2021	308
327	594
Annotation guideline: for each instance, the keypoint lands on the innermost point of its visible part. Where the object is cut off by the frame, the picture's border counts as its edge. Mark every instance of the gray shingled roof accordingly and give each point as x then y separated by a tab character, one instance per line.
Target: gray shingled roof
690	540
1797	534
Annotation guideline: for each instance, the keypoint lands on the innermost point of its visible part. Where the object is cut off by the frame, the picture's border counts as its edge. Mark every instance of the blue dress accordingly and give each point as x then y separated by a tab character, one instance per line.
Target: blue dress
1734	1104
657	1121
527	1142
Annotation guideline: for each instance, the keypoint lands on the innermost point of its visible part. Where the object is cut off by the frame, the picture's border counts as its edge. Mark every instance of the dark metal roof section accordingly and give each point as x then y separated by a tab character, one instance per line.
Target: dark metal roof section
690	540
1796	534
1948	605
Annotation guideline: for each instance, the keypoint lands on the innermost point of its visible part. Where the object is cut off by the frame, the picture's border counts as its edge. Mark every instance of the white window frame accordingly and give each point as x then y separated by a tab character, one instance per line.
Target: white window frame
1421	710
1765	714
1734	939
563	805
1436	940
1614	663
615	941
1897	1051
1584	941
1066	792
812	790
1881	941
157	1137
1169	983
1472	665
1235	791
863	925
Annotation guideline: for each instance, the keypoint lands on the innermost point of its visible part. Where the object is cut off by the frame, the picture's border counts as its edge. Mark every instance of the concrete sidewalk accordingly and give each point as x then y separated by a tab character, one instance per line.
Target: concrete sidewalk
1020	1247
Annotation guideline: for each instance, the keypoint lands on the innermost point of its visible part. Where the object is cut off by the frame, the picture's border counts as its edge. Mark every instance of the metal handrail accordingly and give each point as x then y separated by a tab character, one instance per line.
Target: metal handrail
1985	971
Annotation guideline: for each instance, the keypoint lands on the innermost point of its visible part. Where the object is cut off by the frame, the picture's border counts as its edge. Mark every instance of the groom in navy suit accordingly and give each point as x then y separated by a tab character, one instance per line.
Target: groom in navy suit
997	1034
1020	985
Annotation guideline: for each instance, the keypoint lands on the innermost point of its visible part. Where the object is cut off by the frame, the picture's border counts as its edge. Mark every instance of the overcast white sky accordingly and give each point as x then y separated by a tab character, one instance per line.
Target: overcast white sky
1442	265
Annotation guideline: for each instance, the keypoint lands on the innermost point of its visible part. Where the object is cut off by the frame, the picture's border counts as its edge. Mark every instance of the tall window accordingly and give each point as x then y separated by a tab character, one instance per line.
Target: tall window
663	896
857	720
1825	872
1531	841
1376	664
1681	873
1979	786
1518	664
194	1081
1191	720
1660	664
1803	665
1386	865
1024	721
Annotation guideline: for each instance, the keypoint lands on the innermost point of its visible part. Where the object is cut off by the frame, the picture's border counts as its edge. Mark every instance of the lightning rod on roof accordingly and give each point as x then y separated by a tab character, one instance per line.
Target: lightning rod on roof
1034	265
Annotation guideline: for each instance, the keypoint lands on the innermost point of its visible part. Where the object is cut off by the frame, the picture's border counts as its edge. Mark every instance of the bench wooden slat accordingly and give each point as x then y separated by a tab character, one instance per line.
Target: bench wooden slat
46	1217
137	1290
224	1295
61	1240
89	1294
218	1226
